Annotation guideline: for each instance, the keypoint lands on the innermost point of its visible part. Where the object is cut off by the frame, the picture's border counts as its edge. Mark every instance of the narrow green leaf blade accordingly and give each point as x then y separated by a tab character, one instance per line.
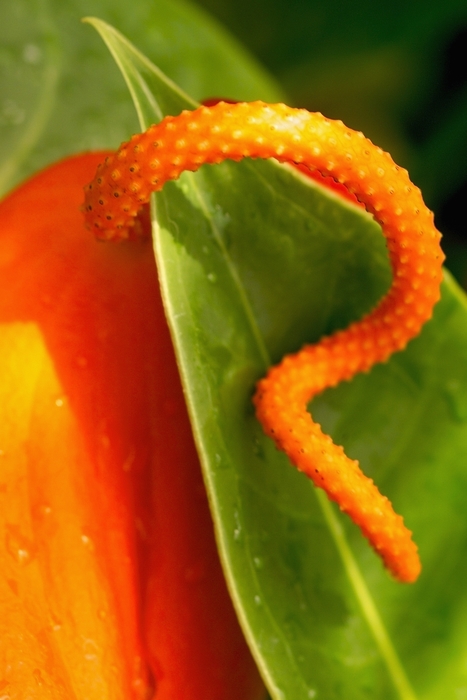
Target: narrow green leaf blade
154	95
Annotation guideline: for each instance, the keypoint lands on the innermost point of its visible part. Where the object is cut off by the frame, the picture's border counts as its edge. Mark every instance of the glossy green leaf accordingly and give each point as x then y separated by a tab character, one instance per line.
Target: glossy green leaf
255	260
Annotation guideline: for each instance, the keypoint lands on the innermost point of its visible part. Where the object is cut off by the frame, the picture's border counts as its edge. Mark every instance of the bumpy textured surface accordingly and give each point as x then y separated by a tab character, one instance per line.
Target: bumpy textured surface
226	131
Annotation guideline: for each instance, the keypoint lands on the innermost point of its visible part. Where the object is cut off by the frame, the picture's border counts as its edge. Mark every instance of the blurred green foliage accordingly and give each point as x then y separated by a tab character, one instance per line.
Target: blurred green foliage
395	70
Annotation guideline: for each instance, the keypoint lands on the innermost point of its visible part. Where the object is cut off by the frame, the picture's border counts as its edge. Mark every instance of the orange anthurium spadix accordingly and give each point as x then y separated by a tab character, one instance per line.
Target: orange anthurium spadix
107	590
210	135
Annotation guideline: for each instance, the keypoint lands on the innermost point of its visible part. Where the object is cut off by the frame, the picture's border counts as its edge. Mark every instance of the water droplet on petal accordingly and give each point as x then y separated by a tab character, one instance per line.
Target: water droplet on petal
38	676
104	441
128	463
55	625
18	546
144	683
87	541
90	647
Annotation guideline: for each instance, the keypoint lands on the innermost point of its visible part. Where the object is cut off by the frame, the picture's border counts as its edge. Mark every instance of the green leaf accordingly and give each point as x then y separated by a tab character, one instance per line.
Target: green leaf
60	92
254	260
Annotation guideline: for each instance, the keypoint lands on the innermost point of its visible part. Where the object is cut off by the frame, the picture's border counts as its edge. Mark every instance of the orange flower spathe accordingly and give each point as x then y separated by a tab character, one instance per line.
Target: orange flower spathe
110	583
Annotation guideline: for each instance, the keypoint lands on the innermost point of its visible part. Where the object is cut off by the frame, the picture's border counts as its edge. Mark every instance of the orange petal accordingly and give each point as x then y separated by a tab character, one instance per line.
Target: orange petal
81	324
73	417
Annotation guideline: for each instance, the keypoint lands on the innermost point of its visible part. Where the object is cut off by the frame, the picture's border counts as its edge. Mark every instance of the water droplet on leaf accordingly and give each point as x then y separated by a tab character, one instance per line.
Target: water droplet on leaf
32	54
456	398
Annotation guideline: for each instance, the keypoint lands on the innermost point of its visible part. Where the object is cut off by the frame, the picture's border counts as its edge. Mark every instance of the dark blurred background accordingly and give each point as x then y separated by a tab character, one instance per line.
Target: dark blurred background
395	70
